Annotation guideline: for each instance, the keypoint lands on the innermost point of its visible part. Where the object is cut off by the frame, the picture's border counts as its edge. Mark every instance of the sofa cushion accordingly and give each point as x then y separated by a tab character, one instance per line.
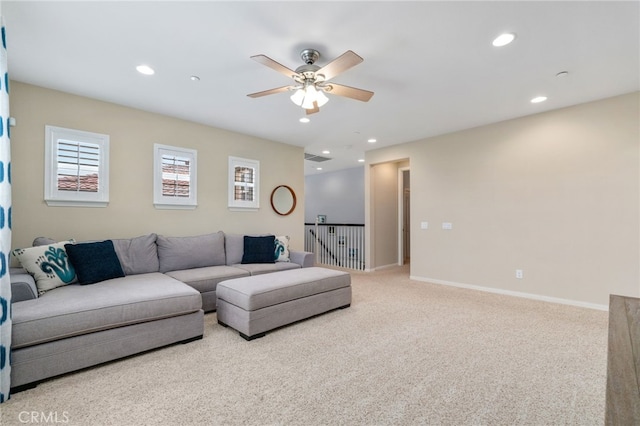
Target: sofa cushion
234	248
259	249
176	253
206	279
138	255
282	249
49	265
94	262
73	310
265	268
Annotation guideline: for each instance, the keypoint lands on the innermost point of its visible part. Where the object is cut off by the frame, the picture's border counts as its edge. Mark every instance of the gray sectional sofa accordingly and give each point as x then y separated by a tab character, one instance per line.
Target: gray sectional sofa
159	298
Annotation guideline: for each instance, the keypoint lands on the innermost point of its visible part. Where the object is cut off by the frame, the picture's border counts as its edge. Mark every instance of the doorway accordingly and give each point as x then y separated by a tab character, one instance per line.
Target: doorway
404	216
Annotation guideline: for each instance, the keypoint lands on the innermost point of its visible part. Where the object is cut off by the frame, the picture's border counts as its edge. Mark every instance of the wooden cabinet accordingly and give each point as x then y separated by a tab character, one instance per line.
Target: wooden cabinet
623	362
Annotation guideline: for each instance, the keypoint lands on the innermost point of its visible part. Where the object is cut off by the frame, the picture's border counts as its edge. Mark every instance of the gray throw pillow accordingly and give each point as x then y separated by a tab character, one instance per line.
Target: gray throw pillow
177	253
138	255
43	241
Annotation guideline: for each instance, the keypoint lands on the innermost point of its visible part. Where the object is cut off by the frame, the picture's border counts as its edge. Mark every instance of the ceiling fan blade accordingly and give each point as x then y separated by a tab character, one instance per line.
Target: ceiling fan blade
265	60
350	92
313	110
269	92
339	65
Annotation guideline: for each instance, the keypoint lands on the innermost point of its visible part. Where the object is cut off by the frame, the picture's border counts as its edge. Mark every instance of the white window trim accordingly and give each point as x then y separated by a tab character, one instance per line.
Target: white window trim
241	205
56	198
181	203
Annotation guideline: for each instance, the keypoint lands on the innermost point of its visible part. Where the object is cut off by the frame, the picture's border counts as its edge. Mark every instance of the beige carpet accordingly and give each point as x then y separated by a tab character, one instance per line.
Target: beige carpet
405	353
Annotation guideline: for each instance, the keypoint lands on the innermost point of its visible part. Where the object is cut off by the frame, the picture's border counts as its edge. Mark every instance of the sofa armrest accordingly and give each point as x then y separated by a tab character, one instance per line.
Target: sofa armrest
302	258
23	286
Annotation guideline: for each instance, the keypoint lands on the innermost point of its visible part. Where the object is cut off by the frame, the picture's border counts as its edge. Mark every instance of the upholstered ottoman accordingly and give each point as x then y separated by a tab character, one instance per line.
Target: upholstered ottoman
260	303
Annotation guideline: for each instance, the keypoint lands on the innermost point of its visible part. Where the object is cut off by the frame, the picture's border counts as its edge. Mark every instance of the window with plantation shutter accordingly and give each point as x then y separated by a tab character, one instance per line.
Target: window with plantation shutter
76	168
175	176
244	179
243	184
174	179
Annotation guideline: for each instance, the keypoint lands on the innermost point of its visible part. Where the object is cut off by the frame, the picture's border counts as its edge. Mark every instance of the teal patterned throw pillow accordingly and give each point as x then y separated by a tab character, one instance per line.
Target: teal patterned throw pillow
49	265
282	249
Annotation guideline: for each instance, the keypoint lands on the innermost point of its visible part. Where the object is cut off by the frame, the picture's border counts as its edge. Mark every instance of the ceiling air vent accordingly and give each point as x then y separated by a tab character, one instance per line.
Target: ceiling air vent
316	158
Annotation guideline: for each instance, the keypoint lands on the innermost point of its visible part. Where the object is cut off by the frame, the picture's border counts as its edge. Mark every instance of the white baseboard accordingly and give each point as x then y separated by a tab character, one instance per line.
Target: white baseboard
379	268
514	293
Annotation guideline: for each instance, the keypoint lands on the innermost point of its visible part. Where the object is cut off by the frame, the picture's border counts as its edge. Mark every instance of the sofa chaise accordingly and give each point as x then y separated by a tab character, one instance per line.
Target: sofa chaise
157	296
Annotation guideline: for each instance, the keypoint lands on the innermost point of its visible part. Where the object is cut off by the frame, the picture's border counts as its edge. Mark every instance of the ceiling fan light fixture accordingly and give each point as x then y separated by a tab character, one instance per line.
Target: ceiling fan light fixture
309	97
311	80
321	98
298	97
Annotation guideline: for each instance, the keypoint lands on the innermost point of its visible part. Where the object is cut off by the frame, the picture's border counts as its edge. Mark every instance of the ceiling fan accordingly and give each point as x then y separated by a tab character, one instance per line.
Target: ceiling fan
312	81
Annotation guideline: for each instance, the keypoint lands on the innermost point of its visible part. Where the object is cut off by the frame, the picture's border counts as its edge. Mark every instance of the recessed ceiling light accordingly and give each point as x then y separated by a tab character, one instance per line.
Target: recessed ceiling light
194	78
304	120
504	39
326	151
538	99
372	140
318	168
145	69
361	160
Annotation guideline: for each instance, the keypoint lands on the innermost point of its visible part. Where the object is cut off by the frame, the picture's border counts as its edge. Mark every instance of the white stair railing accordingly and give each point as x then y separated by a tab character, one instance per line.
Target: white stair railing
338	244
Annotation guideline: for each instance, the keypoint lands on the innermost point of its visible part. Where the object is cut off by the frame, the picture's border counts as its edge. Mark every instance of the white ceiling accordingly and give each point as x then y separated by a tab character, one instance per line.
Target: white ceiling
431	64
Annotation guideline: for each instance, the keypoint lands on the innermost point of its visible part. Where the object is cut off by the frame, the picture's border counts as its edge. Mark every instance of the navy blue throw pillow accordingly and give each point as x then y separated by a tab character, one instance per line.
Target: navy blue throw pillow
94	262
259	249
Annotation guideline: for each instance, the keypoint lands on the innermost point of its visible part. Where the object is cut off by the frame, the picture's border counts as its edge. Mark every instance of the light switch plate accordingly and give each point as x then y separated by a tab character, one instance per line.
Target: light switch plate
424	225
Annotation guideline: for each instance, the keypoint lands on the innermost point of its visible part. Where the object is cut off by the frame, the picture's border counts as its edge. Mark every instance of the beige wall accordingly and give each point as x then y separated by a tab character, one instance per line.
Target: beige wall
384	219
555	194
132	135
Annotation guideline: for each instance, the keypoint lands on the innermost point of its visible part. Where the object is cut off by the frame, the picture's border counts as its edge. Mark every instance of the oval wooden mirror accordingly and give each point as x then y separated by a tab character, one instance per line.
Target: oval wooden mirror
283	200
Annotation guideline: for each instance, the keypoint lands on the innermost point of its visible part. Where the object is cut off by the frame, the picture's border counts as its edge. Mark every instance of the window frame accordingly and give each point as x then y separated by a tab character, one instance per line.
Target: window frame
244	205
58	198
161	201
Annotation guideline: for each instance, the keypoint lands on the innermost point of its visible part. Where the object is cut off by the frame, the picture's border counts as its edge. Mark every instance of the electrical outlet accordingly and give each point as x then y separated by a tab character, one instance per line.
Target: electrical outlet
519	274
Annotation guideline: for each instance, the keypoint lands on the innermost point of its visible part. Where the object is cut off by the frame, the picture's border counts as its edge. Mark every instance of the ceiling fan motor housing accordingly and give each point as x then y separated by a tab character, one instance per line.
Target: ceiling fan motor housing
308	71
309	56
